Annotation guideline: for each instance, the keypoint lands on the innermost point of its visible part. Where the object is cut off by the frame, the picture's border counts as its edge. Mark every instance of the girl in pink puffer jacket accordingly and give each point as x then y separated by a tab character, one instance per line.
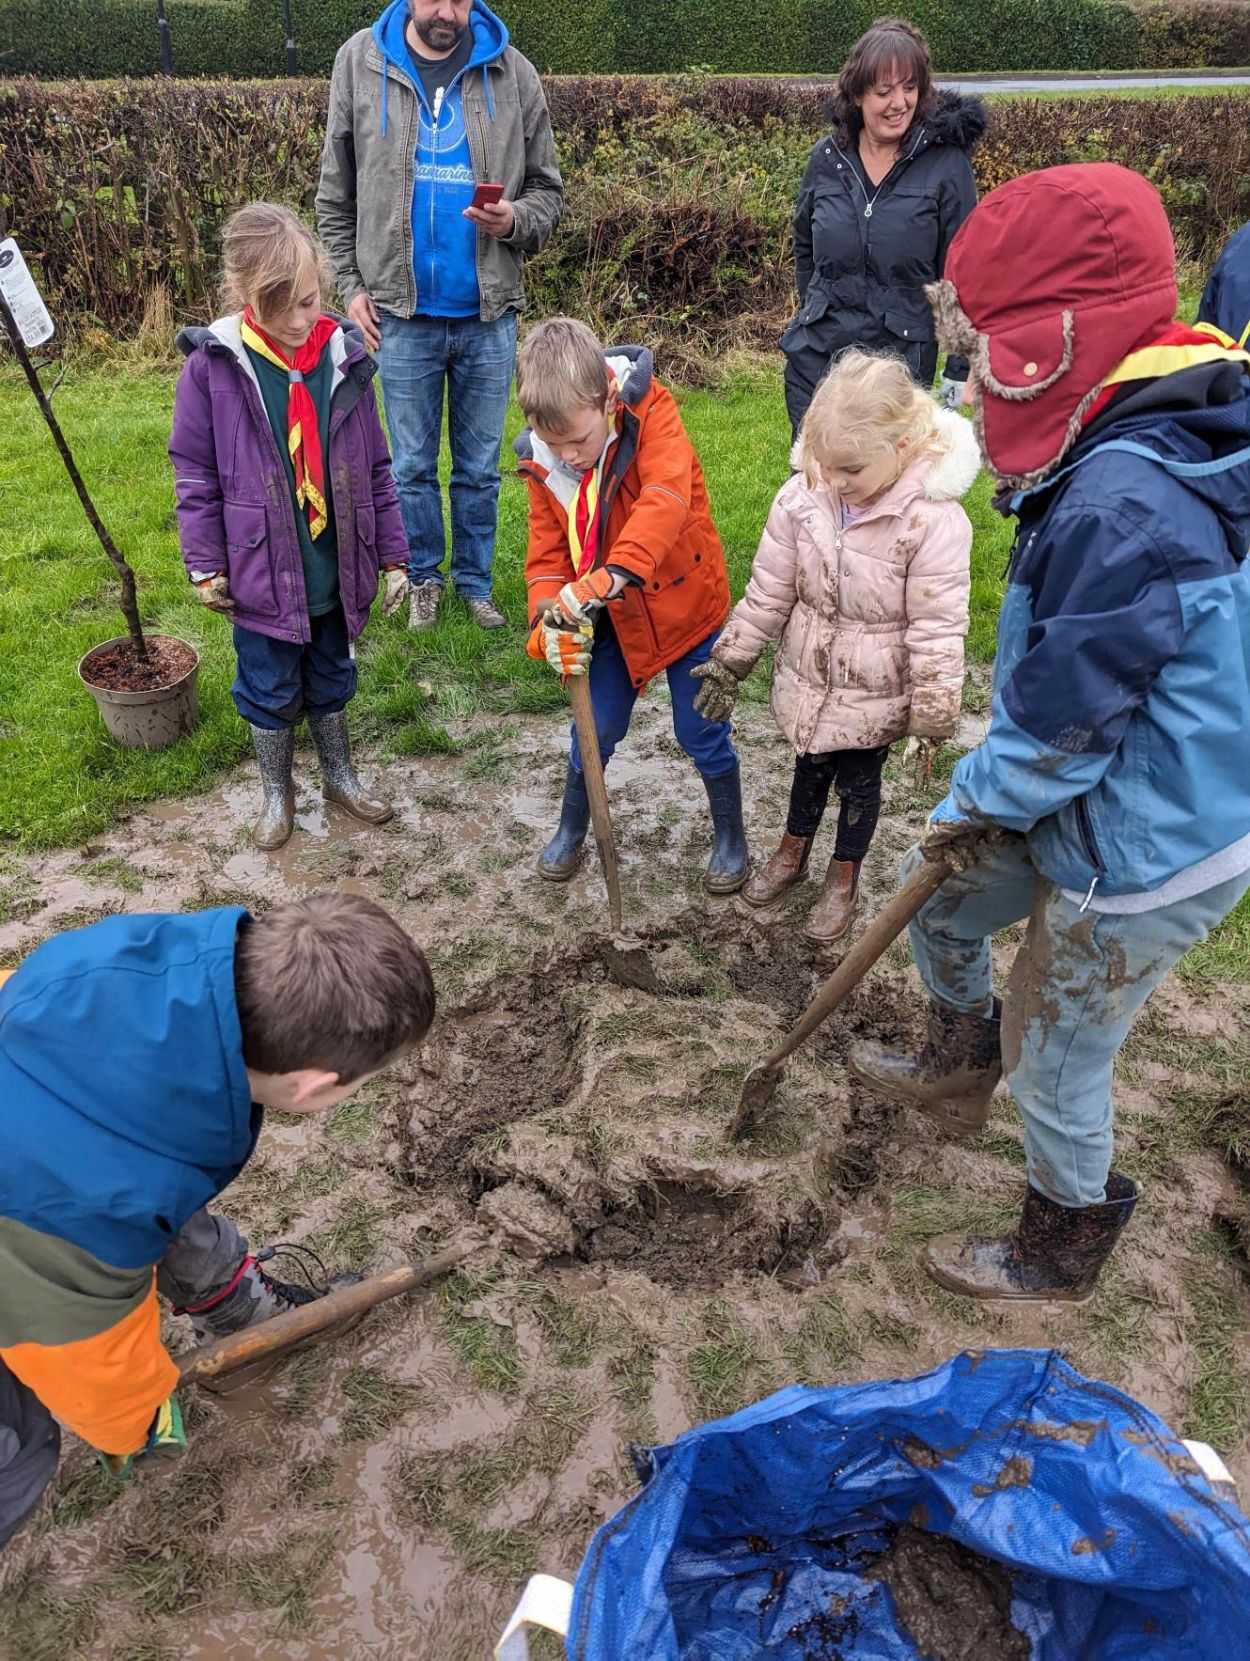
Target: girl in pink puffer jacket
862	576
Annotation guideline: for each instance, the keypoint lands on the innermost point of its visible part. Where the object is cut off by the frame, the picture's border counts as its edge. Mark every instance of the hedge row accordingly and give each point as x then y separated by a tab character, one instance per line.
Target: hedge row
680	191
105	38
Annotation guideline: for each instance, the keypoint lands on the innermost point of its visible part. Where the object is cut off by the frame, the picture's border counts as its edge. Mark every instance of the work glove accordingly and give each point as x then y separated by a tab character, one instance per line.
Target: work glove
950	394
565	646
716	698
396	579
165	1436
962	842
214	592
921	753
580	600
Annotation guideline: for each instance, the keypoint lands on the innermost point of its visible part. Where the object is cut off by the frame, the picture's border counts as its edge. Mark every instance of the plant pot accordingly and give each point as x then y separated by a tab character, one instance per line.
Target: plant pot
156	716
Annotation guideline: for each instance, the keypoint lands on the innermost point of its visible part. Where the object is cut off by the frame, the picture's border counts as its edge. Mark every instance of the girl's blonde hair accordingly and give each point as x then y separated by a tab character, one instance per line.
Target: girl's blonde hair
265	251
864	405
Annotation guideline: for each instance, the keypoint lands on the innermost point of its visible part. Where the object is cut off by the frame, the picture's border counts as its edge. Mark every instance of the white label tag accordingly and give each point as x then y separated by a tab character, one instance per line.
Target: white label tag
25	301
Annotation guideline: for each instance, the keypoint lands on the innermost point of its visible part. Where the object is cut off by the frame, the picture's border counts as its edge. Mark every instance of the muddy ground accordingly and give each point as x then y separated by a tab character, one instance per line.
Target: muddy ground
388	1496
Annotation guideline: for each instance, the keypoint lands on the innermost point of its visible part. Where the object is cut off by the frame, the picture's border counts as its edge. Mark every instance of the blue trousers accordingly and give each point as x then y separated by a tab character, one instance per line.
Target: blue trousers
613	696
1077	983
277	681
419	357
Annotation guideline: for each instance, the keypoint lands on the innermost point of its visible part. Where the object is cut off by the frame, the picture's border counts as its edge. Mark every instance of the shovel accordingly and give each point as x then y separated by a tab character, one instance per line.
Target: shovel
283	1332
760	1085
624	957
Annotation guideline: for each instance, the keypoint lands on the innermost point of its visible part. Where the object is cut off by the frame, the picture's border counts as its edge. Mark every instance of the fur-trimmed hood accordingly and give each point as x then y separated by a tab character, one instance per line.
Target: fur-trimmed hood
959	119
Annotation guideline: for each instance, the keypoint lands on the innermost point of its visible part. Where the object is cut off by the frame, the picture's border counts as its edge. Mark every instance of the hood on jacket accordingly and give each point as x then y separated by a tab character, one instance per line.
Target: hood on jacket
1049	284
490	41
346	347
124	1097
959	119
1199	415
944	476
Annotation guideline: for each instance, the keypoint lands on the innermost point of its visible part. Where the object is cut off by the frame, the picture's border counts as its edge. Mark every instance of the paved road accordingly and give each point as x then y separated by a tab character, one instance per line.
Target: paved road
1095	83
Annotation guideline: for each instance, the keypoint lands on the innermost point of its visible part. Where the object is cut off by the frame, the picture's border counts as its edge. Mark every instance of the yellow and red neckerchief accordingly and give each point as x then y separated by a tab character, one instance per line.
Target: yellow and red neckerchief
303	437
585	519
1179	347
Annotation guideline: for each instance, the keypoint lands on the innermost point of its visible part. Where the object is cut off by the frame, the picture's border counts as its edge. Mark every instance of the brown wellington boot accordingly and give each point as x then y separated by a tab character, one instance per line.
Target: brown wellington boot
952	1078
1054	1255
831	915
780	872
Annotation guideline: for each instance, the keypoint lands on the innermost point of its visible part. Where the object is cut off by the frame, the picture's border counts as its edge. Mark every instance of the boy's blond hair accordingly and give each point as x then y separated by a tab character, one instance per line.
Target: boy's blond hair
561	369
265	251
864	405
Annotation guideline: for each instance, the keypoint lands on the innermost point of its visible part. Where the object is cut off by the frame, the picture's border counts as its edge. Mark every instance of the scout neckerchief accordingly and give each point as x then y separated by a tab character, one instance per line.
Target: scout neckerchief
585	519
1178	347
303	436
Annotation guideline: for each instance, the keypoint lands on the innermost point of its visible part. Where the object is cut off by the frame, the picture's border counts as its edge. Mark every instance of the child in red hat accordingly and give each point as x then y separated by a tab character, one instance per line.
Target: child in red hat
1110	802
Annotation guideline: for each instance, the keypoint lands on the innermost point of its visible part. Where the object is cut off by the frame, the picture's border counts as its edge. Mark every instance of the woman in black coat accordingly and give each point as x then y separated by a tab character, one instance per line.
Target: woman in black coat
880	201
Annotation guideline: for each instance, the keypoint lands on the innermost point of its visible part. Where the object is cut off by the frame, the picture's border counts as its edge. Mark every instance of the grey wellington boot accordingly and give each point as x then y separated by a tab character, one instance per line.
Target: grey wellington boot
275	749
338	777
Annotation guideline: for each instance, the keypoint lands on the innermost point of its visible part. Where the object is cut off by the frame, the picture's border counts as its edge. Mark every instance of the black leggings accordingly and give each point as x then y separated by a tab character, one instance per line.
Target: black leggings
856	776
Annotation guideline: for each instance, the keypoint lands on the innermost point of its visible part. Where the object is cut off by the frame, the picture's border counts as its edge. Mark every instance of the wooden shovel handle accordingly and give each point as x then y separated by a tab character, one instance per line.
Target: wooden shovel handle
271	1337
886	928
597	790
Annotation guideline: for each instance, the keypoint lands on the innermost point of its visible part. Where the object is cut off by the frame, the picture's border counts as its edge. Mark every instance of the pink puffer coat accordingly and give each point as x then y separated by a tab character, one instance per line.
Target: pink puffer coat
871	617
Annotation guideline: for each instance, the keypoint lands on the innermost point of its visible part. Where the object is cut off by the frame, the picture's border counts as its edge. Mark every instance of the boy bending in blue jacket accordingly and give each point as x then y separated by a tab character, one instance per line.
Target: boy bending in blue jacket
1110	802
137	1057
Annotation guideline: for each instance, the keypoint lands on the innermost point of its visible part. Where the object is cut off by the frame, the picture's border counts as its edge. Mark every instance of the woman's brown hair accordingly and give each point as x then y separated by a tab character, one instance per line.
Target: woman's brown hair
891	43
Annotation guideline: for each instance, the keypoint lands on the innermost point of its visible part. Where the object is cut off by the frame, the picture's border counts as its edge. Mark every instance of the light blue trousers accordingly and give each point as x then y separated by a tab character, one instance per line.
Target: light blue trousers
1075	988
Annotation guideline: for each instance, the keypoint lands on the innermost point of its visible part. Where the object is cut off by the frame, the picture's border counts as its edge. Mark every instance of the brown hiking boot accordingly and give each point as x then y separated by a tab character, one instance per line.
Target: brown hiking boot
1055	1253
780	873
953	1077
424	599
831	915
487	615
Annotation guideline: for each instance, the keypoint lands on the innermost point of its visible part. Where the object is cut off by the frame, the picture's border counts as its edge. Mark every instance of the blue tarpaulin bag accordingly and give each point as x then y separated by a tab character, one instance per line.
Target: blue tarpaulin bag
752	1535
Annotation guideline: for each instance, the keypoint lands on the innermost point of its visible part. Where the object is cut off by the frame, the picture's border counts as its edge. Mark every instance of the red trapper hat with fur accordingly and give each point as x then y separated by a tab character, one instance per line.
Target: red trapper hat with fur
1050	283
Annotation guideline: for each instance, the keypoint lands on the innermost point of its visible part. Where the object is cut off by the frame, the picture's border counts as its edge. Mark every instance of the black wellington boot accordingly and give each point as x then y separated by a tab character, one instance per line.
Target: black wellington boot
951	1079
728	867
275	751
559	859
1054	1255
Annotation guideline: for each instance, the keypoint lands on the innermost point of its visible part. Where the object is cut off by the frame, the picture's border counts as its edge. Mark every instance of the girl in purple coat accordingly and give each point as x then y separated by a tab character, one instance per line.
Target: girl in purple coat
286	505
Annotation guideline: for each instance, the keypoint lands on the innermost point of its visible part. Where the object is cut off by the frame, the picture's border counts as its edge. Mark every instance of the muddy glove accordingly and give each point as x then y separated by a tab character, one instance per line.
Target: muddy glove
214	591
165	1435
580	600
950	394
565	646
716	698
921	752
396	579
949	836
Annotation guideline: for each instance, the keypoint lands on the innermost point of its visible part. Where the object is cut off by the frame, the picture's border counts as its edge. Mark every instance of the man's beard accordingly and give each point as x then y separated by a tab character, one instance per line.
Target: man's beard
439	35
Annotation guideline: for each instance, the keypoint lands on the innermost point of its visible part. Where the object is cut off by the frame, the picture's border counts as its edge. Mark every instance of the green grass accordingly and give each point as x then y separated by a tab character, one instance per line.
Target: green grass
64	780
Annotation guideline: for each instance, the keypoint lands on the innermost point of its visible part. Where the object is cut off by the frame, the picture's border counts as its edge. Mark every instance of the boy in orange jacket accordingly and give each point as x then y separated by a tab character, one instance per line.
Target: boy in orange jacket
625	571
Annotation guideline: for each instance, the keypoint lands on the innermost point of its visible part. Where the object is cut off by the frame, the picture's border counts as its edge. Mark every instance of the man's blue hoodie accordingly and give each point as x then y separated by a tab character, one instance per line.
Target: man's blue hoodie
444	242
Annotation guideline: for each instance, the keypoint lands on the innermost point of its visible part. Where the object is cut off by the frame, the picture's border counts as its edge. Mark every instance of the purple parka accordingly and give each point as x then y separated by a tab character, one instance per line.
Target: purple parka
235	512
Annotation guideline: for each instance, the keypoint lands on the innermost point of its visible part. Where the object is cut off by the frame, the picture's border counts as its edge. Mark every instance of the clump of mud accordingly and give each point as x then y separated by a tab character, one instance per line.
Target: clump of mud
954	1604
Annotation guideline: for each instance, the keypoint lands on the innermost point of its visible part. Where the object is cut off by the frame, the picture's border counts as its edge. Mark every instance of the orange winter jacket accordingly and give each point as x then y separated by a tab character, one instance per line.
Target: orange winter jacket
658	525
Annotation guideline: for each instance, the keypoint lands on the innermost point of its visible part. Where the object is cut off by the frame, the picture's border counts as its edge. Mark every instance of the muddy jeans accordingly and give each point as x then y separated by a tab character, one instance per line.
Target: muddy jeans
1075	987
203	1258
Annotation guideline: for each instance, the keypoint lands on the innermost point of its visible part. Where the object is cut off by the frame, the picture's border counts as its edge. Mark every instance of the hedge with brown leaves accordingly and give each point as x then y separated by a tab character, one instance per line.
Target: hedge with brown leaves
680	191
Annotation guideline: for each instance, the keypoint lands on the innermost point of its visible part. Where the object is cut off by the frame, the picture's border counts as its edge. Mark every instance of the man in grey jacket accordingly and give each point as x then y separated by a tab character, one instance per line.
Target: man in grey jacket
425	106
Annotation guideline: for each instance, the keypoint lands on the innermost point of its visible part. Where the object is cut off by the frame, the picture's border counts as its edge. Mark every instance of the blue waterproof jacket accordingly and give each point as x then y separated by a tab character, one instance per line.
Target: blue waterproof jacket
1226	298
124	1099
1121	709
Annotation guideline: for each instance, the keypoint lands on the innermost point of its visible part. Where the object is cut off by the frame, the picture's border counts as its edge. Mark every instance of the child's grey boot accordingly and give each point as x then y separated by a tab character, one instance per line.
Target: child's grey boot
338	777
728	867
275	750
252	1295
559	859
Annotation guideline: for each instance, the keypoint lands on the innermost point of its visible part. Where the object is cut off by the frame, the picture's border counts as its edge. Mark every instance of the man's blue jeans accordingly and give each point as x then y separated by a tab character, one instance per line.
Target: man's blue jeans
1076	985
419	356
613	696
